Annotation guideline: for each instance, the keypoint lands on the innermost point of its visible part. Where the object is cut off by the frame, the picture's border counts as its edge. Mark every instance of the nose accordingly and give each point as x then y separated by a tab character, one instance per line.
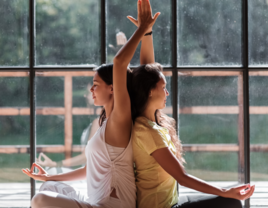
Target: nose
167	93
91	89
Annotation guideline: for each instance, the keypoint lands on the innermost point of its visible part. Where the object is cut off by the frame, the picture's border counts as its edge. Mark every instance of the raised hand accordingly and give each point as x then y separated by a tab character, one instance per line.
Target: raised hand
42	175
46	161
135	21
145	18
241	192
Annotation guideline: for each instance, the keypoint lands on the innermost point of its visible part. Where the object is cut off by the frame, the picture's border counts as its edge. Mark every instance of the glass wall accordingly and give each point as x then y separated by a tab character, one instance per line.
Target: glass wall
258	83
209	33
67	43
14	139
209	124
120	23
258	98
258	23
14	33
67	32
66	119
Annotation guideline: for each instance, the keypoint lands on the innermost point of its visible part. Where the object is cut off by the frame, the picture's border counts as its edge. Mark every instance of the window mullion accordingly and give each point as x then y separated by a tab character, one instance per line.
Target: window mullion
103	31
174	62
32	88
245	54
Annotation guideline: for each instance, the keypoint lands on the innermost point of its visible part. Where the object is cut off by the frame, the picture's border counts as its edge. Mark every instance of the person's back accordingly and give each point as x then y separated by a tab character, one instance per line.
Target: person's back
158	152
155	187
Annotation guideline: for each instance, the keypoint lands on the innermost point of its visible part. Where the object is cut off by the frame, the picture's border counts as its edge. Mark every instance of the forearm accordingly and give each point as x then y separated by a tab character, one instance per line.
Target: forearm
147	50
74	161
125	54
77	174
200	185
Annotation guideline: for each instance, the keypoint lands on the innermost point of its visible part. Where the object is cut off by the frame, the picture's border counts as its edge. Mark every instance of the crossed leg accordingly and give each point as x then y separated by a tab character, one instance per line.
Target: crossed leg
58	195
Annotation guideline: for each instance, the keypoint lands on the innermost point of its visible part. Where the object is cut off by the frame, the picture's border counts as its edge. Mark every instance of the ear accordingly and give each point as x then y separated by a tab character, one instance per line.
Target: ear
151	94
111	89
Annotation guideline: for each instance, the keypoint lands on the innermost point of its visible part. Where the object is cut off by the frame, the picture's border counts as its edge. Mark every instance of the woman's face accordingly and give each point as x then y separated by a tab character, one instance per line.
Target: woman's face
158	96
88	95
101	92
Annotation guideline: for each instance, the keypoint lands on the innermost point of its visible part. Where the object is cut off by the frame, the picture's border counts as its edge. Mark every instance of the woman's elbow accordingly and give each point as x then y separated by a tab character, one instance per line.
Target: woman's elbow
182	178
119	61
116	60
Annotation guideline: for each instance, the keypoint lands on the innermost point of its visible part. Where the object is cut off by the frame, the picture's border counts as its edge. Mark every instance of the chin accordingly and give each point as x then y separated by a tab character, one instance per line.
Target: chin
162	107
96	103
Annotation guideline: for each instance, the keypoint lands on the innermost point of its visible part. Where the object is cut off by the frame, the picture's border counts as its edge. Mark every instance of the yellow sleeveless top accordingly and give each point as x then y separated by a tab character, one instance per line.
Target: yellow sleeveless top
155	187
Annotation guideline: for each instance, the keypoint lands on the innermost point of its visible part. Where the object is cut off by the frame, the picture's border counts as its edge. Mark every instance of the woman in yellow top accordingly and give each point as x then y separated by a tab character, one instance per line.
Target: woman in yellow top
158	152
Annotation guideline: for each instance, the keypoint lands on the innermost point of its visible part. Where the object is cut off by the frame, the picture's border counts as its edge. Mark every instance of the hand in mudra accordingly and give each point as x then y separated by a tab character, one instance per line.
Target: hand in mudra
46	161
144	15
241	192
42	175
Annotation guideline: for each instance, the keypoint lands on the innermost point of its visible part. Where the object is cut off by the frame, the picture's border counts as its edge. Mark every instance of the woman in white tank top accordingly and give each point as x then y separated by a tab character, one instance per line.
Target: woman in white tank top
109	168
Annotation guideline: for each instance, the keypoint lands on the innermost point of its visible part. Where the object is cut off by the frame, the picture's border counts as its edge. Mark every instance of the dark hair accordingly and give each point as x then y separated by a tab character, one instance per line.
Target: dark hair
105	71
145	78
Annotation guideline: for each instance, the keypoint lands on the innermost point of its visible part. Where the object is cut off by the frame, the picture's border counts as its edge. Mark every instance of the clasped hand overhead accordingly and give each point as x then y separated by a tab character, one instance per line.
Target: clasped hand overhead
145	19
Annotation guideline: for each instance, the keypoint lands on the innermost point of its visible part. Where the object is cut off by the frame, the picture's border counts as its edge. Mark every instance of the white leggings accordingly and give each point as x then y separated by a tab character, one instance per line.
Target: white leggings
59	195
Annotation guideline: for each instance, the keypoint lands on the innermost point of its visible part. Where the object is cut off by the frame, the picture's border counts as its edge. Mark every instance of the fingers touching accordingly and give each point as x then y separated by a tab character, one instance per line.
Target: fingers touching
247	191
250	191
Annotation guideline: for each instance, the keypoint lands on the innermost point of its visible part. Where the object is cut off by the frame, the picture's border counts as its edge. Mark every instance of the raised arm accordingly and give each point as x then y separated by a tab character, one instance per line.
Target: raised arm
147	47
171	165
122	110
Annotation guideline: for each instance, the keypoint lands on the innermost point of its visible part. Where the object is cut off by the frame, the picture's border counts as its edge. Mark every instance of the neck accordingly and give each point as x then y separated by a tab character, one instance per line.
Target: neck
149	114
108	108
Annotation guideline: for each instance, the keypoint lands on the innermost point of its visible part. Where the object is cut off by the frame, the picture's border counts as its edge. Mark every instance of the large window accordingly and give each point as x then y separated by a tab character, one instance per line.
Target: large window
214	56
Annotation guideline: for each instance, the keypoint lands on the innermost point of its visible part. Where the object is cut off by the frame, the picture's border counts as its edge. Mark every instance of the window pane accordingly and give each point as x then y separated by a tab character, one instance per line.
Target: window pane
67	32
15	139
116	20
64	120
211	124
14	33
258	32
258	83
209	32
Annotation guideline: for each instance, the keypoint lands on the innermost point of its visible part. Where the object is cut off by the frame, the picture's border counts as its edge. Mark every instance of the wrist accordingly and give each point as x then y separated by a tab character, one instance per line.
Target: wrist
224	192
48	178
143	30
149	30
149	34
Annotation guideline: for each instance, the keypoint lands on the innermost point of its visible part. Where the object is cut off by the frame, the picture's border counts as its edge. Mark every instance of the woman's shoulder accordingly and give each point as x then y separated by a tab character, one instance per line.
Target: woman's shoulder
141	124
144	126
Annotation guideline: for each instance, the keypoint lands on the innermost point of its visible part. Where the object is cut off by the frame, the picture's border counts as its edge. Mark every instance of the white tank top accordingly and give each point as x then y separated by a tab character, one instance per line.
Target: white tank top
114	151
103	173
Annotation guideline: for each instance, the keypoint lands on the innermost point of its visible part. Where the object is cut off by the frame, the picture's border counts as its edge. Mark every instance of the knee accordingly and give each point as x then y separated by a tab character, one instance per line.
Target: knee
47	186
38	200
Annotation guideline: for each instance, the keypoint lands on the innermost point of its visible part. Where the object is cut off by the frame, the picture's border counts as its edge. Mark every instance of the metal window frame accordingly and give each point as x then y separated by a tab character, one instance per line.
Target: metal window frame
245	68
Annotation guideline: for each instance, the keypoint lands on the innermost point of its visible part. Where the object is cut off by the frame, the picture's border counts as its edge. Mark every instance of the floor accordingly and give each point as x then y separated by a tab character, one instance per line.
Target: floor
18	194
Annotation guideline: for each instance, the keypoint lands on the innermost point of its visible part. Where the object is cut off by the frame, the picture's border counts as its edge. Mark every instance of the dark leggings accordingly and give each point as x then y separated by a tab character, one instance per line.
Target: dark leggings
207	201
